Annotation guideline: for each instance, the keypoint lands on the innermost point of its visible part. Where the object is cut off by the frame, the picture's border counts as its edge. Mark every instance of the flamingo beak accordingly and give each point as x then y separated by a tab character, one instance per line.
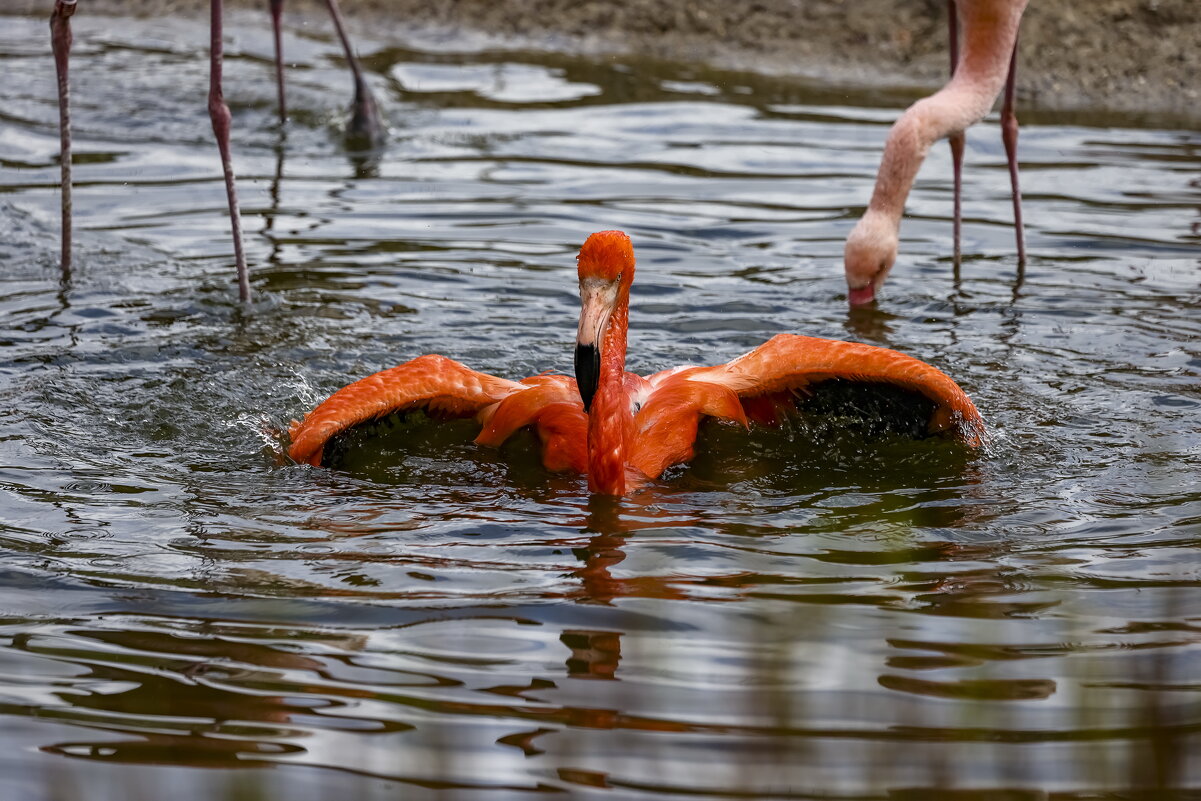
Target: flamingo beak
587	372
597	299
861	296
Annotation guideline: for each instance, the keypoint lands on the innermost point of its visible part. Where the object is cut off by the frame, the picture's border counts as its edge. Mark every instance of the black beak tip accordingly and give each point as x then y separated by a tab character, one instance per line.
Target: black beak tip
587	372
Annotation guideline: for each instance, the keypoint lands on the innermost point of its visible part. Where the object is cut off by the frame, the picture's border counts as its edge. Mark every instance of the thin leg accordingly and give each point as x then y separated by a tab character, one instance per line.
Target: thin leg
277	10
219	112
275	192
60	42
1009	133
956	141
365	127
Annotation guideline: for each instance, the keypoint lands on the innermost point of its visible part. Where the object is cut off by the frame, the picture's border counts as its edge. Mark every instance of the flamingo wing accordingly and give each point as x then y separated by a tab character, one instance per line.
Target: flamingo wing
788	363
758	386
434	383
551	405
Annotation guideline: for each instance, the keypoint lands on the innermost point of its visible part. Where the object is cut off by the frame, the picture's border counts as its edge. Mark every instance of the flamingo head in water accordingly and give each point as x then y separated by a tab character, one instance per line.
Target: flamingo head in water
606	270
870	252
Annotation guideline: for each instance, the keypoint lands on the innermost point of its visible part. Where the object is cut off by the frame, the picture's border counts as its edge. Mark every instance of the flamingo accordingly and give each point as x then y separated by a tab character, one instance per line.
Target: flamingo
365	128
621	429
987	63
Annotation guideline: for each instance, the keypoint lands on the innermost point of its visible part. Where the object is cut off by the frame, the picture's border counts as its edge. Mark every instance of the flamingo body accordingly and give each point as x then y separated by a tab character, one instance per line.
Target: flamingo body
625	429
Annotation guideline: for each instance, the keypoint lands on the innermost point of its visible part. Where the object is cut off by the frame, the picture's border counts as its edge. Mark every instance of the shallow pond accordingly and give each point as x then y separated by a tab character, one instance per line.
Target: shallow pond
822	614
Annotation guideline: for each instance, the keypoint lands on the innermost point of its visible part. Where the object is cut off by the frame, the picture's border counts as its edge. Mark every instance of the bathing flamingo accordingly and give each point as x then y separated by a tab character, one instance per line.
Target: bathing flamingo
365	128
619	428
986	64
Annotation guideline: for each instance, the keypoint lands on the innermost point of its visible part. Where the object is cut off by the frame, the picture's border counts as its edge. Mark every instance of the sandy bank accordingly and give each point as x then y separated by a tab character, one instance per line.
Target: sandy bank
1140	56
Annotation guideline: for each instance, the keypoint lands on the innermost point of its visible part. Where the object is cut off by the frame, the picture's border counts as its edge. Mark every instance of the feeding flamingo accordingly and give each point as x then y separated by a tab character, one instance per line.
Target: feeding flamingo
619	428
365	128
986	64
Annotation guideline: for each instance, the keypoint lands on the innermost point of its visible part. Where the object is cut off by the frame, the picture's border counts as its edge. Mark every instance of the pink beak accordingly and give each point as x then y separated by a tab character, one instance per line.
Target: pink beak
861	296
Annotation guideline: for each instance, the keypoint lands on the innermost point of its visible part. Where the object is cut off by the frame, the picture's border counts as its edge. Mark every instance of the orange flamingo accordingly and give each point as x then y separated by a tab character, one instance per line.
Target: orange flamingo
619	428
986	64
365	128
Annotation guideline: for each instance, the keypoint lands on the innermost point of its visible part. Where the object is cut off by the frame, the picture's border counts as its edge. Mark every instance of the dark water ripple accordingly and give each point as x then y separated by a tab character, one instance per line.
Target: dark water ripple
809	614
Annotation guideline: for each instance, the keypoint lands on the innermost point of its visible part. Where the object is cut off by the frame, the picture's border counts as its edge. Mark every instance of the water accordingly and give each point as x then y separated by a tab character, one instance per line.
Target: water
820	614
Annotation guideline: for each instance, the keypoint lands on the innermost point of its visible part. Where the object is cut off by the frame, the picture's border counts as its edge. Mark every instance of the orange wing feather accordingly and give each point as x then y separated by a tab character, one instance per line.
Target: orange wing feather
665	427
552	405
751	387
432	382
788	361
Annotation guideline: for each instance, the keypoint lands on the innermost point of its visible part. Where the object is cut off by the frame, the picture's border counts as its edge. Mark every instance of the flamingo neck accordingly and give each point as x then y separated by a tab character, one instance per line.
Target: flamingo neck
990	29
610	420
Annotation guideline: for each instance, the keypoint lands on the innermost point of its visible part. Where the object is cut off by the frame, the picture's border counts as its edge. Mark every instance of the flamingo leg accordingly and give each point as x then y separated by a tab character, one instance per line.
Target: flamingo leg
219	112
366	127
1009	133
277	9
60	42
956	141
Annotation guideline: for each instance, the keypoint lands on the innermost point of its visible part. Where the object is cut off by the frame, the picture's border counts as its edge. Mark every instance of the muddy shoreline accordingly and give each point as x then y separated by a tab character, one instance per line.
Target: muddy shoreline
1108	56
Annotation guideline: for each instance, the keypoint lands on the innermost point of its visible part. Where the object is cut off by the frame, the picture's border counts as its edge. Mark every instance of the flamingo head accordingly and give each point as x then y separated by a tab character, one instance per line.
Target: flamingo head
606	269
870	252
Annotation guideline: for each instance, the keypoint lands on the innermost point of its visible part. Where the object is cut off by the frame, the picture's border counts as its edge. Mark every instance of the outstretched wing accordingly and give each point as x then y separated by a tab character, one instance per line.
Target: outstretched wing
758	385
434	383
788	363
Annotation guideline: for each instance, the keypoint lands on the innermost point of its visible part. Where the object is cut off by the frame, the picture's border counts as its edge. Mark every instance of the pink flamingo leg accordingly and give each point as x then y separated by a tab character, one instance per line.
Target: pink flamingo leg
1009	134
956	141
219	112
986	39
366	127
60	42
277	9
365	123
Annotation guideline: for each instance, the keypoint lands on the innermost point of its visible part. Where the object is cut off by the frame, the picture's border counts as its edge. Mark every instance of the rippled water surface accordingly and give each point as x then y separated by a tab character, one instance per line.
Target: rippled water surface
822	614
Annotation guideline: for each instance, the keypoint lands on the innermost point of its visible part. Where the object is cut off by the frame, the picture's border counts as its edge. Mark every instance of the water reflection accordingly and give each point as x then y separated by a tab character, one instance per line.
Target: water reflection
205	699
